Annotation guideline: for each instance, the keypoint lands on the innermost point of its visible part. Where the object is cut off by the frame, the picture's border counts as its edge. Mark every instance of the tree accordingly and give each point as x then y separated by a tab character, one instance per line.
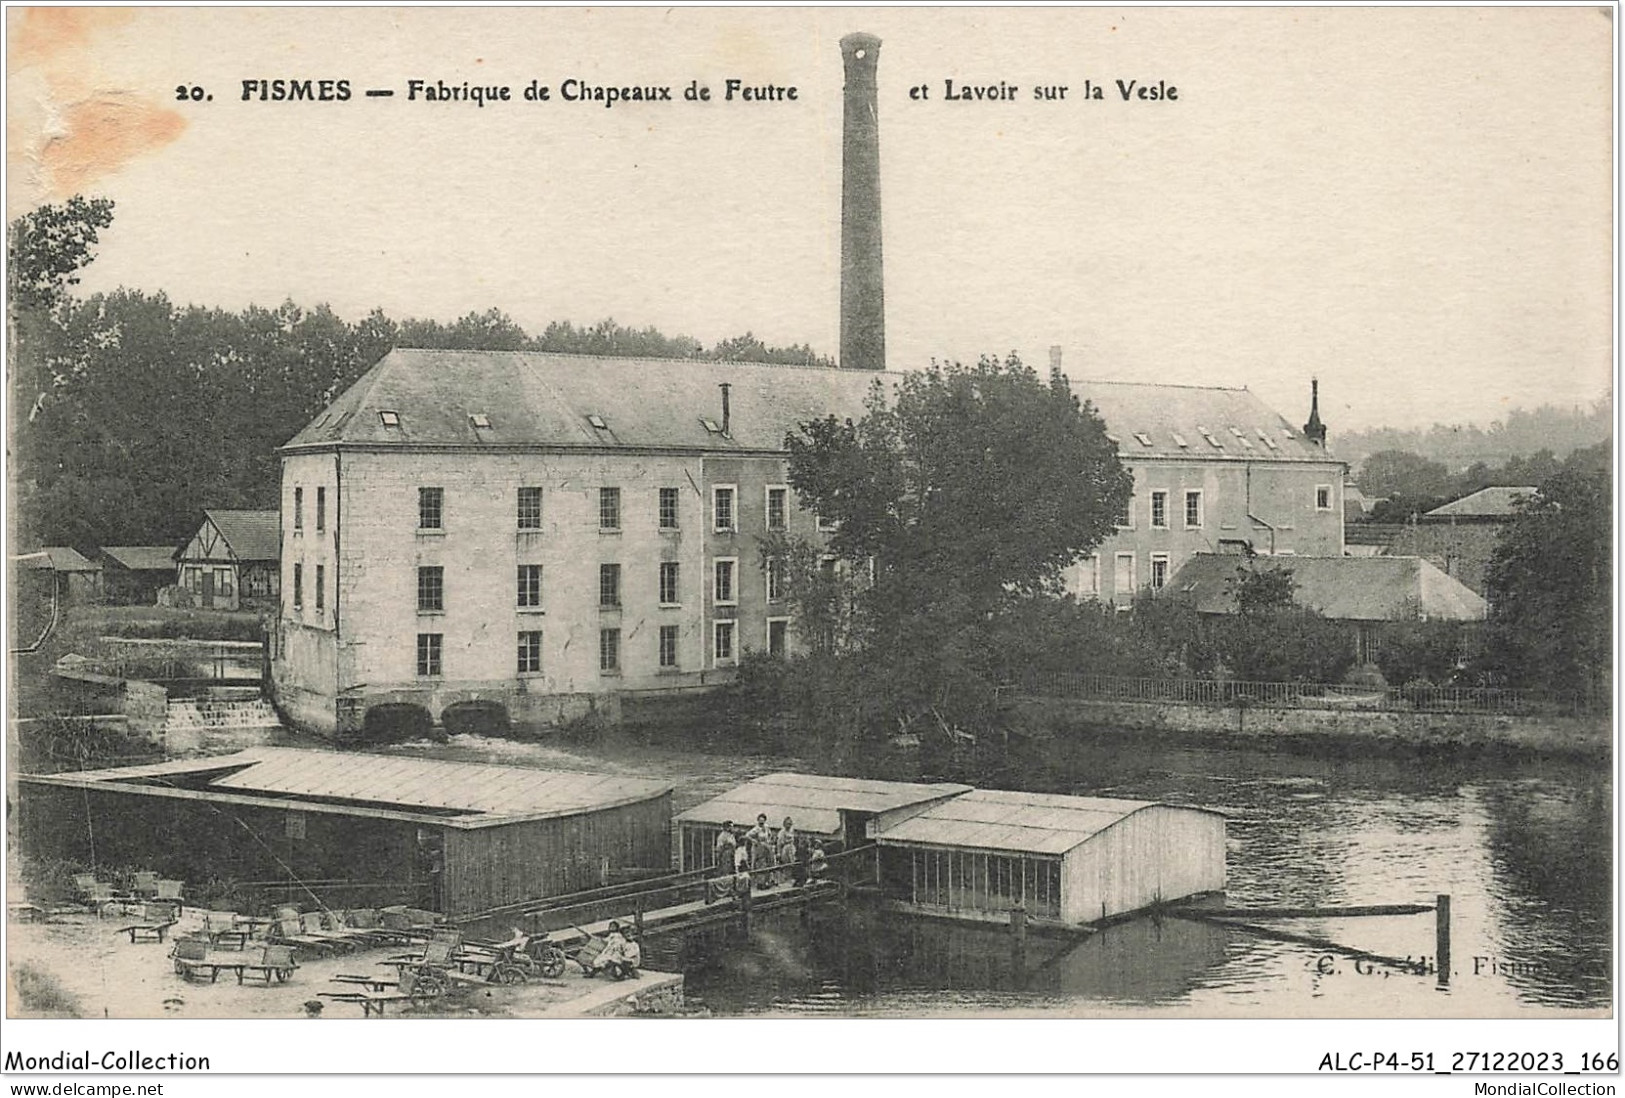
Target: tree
1400	473
1550	583
952	507
47	248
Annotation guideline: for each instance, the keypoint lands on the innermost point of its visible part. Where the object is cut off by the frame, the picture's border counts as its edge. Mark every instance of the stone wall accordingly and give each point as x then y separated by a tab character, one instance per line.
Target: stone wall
1589	736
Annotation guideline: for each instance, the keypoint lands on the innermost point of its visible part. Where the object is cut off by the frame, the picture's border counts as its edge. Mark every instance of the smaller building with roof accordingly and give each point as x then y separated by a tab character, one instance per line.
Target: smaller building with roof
61	569
1063	859
453	837
847	811
231	563
134	574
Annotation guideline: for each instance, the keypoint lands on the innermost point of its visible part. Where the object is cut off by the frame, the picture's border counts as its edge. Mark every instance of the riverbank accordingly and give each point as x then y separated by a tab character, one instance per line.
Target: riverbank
82	966
1307	729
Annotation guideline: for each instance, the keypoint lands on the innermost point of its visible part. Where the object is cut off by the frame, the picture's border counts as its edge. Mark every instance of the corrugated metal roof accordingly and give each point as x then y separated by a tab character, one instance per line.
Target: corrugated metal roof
401	783
1484	503
252	535
1025	823
1374	588
814	801
433	783
142	558
551	400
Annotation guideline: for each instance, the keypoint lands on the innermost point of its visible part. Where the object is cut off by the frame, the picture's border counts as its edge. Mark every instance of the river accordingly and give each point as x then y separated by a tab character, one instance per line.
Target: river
1522	848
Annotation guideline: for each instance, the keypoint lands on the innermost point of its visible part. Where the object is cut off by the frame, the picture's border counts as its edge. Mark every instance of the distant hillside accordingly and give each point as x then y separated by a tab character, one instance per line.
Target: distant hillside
1521	434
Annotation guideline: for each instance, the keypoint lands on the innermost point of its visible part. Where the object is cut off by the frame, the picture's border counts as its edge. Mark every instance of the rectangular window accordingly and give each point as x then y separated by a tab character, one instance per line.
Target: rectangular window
530	587
1159	570
609	508
1123	575
431	505
298	586
1088	585
1159	510
609	650
778	507
1323	497
668	508
529	515
429	654
724	648
775	579
668	583
431	589
321	509
778	637
724	591
530	652
609	585
668	646
722	500
321	588
298	508
293	825
824	525
1193	510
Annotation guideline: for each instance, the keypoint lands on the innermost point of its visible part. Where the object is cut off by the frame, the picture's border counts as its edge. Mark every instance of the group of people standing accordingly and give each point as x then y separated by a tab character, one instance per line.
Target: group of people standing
783	851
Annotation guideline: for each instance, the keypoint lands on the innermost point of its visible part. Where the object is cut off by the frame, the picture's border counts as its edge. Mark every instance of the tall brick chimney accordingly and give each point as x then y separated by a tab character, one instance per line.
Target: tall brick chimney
863	304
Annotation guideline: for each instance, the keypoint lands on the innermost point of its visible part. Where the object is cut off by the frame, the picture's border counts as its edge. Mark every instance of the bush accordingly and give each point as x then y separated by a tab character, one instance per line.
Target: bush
1420	652
1286	645
39	993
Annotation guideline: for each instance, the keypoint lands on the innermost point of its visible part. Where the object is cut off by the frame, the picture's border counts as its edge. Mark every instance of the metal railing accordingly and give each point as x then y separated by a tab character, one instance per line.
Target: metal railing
1295	695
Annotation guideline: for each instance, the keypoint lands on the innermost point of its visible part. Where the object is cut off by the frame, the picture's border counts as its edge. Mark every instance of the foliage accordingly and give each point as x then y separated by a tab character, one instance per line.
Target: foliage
1400	473
1423	495
1550	583
1421	651
49	246
55	744
1522	432
955	510
1290	644
1260	591
134	413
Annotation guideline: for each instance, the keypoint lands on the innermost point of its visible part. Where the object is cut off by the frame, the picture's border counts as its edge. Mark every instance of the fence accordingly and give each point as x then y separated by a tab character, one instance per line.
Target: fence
1297	695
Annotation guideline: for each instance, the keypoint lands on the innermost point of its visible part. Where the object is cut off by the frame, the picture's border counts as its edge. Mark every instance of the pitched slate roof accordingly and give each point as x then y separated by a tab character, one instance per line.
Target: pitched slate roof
252	535
814	801
142	558
56	558
1027	823
1484	503
1376	588
432	398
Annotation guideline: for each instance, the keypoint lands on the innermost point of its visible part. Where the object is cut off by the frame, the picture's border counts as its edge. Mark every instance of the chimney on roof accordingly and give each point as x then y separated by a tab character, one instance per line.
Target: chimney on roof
1314	430
1055	378
863	306
724	386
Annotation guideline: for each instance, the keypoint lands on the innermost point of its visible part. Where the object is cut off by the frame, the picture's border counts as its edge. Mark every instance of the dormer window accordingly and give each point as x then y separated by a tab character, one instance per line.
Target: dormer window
1215	443
1179	441
389	419
1237	432
480	420
598	422
1287	431
1145	439
1247	442
1113	438
1271	443
711	426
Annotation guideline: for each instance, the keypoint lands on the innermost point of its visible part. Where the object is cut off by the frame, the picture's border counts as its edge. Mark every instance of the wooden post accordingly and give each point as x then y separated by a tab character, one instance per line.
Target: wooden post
744	904
1441	931
637	916
1018	924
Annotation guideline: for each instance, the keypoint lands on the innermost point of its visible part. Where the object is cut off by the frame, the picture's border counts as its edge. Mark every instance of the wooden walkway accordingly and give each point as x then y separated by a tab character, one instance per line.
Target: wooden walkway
689	915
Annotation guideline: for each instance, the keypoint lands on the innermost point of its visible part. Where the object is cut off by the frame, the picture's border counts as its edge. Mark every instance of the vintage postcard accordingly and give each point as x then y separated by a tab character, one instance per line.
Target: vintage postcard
1080	515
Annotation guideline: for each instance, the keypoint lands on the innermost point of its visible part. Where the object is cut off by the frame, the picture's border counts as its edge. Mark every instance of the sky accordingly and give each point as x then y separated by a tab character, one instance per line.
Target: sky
1413	205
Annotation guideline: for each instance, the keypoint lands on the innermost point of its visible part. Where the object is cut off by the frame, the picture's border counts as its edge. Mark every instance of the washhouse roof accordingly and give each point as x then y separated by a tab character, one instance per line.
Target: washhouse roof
142	558
1498	503
360	783
252	535
814	801
1013	821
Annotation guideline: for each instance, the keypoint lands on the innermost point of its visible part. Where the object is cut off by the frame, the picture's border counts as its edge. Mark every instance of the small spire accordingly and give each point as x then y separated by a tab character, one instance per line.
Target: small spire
1314	430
